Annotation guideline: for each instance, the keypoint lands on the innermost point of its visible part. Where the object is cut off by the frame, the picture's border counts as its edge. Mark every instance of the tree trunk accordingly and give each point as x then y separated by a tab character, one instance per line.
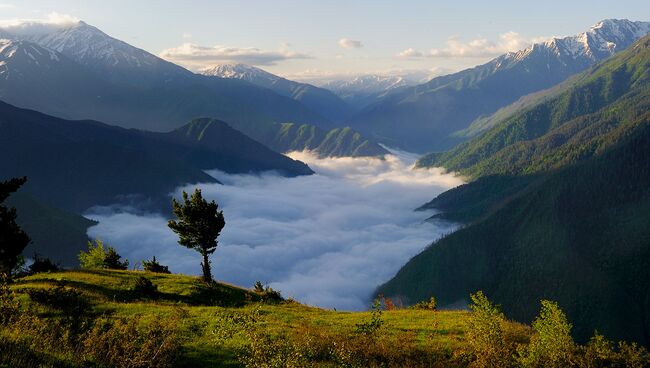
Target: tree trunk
207	273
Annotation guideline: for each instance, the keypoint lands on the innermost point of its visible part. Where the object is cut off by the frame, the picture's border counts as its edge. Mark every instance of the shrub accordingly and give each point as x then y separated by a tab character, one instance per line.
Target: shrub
551	345
94	257
41	265
112	260
98	257
144	287
154	266
374	324
430	304
70	302
267	294
130	343
485	334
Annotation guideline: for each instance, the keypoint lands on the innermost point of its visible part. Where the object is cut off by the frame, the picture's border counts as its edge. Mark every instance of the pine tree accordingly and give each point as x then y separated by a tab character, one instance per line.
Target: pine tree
13	239
199	224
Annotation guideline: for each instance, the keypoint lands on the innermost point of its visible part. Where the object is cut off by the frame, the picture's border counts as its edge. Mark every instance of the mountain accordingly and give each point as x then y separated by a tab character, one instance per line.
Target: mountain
73	165
570	122
320	100
365	90
55	233
337	142
90	75
560	212
425	117
113	59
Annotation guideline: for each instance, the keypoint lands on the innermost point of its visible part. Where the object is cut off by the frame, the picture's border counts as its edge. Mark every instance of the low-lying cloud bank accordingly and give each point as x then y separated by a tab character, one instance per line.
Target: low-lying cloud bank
327	239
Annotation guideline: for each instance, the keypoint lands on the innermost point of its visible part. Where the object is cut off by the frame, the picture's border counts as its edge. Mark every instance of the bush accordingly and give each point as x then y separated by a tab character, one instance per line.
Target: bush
371	327
98	257
112	260
552	345
430	304
70	302
130	343
267	294
144	287
154	266
41	265
485	334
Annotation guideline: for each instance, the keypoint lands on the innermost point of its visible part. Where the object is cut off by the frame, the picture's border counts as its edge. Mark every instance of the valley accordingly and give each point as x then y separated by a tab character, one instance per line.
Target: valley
252	185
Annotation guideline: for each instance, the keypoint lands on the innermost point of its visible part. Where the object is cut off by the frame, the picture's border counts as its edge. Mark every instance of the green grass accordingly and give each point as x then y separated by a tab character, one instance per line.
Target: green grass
110	294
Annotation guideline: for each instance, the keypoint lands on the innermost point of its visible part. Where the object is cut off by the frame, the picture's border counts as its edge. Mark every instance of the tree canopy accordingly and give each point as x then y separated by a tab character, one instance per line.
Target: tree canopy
198	226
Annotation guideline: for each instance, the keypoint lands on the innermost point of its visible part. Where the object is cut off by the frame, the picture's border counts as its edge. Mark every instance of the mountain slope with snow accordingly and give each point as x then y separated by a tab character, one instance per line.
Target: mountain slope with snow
320	100
423	118
364	90
110	57
102	78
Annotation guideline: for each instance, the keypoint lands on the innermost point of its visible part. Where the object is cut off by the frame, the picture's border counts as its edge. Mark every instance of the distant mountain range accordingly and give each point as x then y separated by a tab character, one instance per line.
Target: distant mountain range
79	72
559	207
321	101
365	90
431	116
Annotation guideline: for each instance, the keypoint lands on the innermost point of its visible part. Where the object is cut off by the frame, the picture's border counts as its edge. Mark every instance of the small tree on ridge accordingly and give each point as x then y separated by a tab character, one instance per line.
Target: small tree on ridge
199	224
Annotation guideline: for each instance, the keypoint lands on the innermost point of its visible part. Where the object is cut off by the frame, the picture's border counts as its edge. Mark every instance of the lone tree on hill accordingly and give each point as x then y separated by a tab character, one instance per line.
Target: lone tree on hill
199	224
13	239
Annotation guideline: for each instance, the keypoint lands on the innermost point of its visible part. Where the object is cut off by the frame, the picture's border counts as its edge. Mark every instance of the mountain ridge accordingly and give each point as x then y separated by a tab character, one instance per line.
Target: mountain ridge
425	117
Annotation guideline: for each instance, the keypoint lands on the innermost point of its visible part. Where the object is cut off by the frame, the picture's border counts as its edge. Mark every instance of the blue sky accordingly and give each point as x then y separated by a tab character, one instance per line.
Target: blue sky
320	38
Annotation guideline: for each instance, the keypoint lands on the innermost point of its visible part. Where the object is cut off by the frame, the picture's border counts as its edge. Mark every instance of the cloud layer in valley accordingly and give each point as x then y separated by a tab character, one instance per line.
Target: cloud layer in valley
327	239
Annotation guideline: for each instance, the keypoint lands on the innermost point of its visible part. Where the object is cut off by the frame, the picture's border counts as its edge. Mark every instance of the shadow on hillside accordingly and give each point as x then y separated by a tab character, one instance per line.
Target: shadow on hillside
200	294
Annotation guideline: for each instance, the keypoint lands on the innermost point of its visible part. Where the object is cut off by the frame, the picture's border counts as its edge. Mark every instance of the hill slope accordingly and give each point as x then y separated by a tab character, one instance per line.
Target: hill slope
215	324
56	234
77	164
565	220
423	118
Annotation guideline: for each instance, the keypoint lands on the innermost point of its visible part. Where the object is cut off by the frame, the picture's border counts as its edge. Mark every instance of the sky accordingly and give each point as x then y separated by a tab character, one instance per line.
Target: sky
309	39
326	240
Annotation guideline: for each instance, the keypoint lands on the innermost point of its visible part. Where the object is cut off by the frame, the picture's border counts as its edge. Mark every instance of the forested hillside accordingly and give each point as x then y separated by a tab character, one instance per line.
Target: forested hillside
563	216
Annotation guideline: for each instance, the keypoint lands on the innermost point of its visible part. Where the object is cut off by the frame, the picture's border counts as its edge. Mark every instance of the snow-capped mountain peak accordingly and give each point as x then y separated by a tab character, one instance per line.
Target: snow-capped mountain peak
87	44
240	71
599	42
110	58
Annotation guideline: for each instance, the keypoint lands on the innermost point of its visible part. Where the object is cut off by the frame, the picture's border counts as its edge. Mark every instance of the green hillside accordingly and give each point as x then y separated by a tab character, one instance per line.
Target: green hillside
338	142
577	120
214	324
56	234
559	210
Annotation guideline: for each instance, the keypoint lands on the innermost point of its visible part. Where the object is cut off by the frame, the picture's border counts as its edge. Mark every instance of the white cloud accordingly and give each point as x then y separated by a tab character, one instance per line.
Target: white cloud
347	43
479	47
187	35
327	239
7	6
198	57
410	52
54	21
